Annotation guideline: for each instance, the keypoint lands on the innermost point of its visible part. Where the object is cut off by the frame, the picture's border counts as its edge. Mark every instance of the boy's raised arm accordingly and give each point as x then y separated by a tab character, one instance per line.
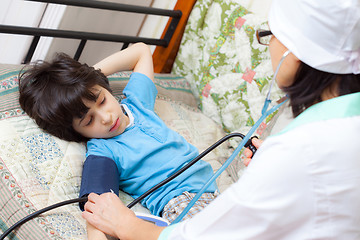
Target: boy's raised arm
137	57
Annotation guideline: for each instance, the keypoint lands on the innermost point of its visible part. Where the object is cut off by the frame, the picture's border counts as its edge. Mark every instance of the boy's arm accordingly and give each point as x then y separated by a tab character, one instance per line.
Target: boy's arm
137	57
99	175
95	234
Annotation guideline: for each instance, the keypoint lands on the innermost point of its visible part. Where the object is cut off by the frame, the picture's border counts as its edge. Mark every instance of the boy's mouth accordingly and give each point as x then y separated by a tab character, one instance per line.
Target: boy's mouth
115	126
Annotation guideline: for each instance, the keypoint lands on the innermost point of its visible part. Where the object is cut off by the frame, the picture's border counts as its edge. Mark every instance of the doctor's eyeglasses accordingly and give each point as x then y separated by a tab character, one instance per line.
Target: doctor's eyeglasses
263	36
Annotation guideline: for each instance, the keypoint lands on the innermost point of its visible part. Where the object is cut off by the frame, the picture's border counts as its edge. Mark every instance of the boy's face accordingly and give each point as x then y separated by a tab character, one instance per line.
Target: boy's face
105	118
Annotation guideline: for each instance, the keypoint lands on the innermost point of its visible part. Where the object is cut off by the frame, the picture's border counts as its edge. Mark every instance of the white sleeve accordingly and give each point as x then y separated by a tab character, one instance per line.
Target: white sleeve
261	204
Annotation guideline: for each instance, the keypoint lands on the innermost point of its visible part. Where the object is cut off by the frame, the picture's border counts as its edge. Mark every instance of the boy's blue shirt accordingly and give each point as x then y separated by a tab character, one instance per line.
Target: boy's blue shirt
148	152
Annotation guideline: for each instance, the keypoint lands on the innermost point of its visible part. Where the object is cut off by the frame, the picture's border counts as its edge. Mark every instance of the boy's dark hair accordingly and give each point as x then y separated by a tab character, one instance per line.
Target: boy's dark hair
52	94
310	83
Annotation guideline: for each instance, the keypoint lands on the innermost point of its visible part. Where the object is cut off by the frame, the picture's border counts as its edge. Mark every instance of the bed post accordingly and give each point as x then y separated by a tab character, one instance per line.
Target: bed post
164	57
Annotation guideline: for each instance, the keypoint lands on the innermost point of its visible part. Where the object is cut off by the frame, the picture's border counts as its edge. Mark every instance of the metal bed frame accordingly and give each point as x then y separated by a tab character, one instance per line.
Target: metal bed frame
85	36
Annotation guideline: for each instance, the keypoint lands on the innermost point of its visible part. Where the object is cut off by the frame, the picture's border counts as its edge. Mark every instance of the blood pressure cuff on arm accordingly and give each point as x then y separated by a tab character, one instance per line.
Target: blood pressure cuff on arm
99	175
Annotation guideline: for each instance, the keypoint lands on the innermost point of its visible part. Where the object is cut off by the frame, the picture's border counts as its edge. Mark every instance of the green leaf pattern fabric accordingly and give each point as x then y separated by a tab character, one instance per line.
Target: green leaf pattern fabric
228	70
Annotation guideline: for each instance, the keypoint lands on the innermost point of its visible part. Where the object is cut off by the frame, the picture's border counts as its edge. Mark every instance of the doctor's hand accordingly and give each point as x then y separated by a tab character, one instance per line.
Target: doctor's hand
107	213
248	153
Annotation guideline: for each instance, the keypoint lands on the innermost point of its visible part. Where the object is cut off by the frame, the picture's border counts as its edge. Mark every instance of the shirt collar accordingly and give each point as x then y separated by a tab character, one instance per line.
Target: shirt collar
130	115
335	108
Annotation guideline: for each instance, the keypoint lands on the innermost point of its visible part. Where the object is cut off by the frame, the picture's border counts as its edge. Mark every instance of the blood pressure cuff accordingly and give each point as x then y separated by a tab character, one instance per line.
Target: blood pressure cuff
99	175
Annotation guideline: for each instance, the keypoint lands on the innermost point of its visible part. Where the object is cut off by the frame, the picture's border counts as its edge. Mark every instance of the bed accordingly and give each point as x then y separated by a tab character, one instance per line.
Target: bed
214	84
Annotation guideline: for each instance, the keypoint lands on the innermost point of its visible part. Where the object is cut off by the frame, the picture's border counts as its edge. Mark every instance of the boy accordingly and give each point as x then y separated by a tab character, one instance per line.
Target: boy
128	145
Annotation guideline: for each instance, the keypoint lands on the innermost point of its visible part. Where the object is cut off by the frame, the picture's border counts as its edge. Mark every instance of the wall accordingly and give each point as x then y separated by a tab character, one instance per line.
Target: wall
14	12
75	18
99	21
153	25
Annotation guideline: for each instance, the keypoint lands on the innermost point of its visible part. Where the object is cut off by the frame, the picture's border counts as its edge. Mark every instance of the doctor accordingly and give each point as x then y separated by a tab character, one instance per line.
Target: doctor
303	183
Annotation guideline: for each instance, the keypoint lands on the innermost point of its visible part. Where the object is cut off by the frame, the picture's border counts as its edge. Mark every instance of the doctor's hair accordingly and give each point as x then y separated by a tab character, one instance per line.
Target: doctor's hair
52	93
310	83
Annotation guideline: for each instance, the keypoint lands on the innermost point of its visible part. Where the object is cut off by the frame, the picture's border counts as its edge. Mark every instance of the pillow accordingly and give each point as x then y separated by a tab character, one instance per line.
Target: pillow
37	169
228	70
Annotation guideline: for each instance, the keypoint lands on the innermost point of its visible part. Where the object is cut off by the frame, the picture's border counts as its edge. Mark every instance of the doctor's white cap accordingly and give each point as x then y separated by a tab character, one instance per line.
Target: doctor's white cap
324	34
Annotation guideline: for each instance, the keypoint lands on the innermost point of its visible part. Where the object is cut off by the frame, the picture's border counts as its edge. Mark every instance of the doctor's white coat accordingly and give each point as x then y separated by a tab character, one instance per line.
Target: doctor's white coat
303	183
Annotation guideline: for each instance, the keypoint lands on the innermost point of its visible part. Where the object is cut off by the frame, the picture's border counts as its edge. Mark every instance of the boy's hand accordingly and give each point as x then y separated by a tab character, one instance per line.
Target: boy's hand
248	153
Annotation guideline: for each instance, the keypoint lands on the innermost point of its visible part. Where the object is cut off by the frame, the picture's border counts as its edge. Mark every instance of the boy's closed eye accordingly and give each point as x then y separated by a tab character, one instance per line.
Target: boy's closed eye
89	122
90	118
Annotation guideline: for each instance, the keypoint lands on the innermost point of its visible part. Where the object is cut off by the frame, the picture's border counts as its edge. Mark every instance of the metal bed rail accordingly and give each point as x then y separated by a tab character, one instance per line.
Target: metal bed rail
85	36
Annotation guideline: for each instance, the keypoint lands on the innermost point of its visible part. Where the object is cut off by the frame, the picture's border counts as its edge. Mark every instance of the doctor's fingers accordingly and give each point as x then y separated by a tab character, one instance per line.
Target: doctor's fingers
99	199
248	153
93	197
247	161
256	142
89	207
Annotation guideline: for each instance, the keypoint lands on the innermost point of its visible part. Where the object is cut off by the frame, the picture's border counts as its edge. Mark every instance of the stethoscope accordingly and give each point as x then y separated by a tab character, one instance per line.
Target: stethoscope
246	142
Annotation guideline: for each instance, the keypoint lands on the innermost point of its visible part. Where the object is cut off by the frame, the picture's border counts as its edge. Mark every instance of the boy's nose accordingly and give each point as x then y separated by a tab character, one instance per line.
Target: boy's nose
105	118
